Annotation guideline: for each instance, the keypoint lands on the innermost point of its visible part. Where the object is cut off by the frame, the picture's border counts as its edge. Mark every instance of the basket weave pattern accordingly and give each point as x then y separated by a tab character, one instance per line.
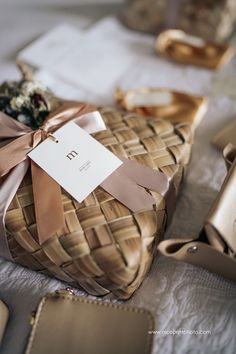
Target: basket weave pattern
104	247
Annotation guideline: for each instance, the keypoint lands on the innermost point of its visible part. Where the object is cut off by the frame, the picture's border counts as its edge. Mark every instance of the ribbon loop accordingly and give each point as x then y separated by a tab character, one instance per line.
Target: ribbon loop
11	128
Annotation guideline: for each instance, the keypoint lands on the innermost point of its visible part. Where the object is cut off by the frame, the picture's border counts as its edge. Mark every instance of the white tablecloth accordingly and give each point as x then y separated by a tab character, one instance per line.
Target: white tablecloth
180	296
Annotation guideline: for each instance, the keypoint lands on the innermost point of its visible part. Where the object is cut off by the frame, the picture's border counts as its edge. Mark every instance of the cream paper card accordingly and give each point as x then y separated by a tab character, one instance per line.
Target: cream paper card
77	161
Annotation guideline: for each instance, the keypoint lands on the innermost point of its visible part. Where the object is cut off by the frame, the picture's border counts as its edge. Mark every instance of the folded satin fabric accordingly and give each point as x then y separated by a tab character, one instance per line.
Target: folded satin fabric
187	49
174	106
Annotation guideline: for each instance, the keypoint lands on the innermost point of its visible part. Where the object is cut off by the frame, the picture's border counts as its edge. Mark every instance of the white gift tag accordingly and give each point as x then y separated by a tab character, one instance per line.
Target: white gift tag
77	161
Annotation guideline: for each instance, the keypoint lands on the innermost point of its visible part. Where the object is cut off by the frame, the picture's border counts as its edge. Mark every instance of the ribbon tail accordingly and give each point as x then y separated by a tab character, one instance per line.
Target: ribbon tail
91	122
145	176
48	204
8	190
128	192
152	179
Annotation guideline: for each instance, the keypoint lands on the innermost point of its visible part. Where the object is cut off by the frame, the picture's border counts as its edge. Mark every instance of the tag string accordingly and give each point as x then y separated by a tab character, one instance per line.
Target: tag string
49	135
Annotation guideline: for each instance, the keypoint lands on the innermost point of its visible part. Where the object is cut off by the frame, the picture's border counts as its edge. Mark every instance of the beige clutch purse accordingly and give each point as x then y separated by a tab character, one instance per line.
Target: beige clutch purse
215	249
67	324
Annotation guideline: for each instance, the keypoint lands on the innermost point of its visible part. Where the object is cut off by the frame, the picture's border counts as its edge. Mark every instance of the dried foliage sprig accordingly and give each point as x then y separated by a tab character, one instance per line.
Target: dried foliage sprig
27	100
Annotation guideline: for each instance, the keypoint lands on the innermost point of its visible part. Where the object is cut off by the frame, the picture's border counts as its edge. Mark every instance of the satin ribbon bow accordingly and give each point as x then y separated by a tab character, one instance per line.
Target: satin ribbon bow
124	184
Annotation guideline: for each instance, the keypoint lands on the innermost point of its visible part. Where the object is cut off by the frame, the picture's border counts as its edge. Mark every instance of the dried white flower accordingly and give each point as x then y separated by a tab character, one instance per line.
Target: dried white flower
17	102
30	87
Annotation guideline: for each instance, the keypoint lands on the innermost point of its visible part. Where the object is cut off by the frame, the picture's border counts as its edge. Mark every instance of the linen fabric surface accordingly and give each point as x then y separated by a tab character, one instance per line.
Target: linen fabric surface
180	296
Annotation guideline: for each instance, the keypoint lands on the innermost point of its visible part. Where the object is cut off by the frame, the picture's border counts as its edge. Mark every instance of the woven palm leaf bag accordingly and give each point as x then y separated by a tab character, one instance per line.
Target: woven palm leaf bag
105	248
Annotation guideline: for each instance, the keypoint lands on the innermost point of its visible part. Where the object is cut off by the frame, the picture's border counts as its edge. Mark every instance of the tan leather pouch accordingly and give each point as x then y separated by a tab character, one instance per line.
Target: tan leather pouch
65	323
4	314
215	249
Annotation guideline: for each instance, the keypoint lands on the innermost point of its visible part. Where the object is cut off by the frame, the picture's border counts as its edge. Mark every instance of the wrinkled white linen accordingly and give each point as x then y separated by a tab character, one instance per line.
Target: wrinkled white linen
180	296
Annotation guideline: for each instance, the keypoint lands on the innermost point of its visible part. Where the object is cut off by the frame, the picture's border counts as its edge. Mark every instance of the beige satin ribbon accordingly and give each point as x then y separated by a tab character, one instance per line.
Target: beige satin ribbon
125	184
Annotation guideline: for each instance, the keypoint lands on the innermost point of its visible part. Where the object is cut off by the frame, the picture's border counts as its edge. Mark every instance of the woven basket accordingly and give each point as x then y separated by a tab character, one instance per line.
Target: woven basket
105	248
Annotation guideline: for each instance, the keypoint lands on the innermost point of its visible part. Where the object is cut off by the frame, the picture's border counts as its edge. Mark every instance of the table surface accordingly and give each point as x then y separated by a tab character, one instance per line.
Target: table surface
180	296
